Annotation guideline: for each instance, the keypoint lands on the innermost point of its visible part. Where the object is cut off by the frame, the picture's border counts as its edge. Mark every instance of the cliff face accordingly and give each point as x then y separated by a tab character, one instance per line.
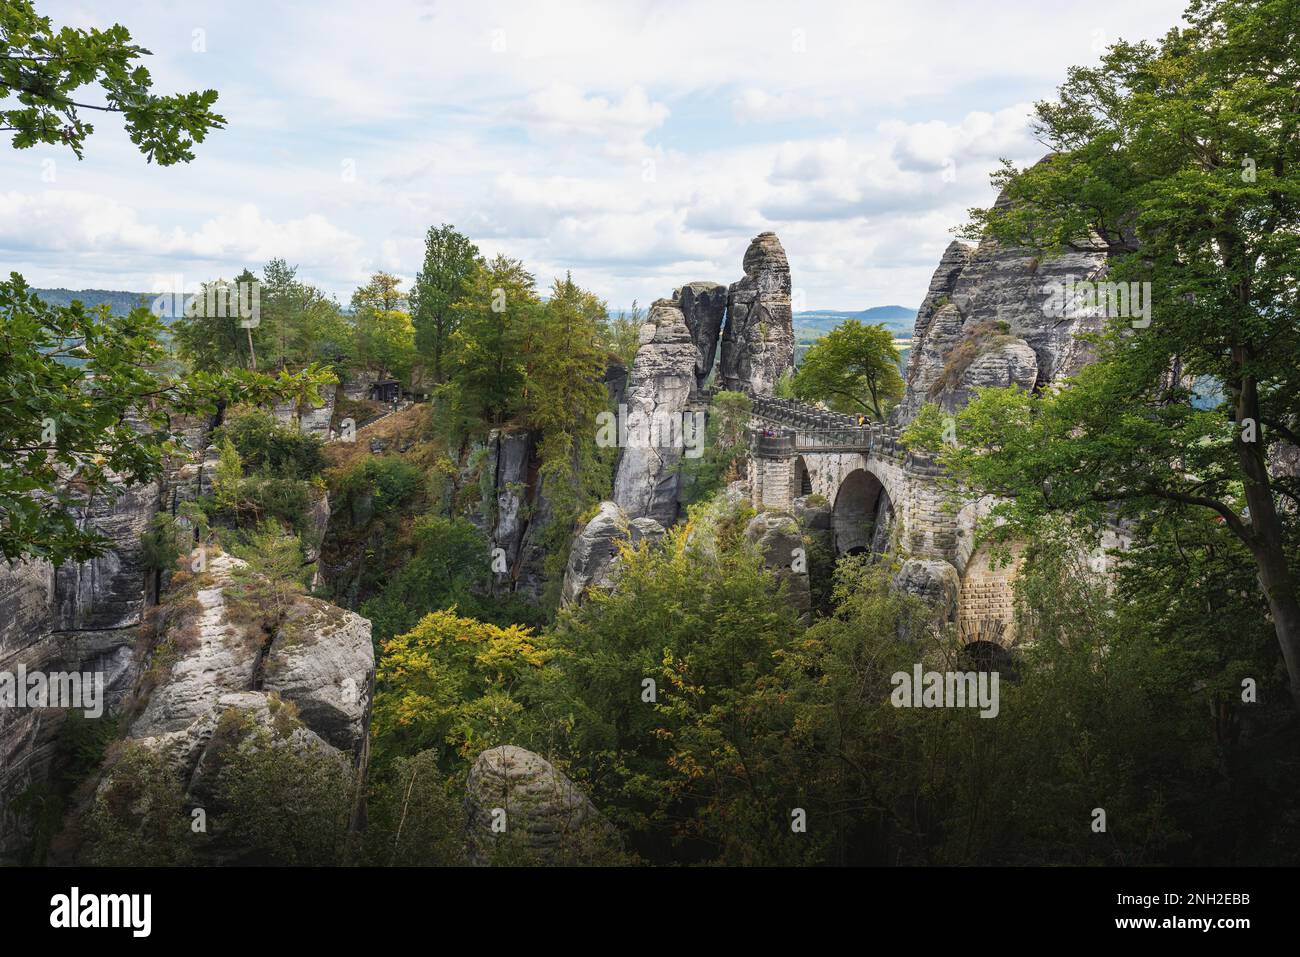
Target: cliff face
91	617
985	321
758	341
229	632
704	307
81	617
658	393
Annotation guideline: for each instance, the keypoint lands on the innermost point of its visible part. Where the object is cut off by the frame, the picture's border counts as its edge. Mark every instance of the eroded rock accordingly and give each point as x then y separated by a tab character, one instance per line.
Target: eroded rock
758	340
658	394
704	307
594	549
935	582
519	805
319	657
781	543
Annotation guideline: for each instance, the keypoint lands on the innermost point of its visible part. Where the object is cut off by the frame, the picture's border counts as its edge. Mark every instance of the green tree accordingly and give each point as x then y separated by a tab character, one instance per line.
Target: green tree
382	292
726	444
449	562
701	617
44	69
386	342
266	445
486	383
83	406
83	413
210	333
621	334
450	260
853	368
228	483
453	683
563	389
1185	158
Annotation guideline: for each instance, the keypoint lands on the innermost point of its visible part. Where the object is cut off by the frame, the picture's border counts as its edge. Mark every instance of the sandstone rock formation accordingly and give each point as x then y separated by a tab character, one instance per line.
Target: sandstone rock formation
81	617
309	419
758	341
105	592
539	814
317	656
934	582
594	549
781	543
194	751
704	307
658	394
594	557
995	291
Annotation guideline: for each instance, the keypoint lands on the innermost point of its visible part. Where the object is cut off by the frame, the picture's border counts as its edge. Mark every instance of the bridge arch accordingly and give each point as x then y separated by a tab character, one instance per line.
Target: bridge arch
862	516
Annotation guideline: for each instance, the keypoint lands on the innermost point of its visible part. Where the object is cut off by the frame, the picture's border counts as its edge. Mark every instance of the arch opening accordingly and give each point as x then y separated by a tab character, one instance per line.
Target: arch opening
800	479
863	515
983	655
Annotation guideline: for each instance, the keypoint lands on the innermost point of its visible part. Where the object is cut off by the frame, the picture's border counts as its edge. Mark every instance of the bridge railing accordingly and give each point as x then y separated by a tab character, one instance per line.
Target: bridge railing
811	429
812	439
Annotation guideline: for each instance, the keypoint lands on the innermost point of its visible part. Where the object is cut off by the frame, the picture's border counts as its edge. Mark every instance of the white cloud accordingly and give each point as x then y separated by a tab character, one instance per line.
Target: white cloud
562	110
529	126
934	144
86	223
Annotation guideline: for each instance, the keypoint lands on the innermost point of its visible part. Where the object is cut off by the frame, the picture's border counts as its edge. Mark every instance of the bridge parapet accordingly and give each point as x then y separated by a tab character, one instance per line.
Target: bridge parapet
820	430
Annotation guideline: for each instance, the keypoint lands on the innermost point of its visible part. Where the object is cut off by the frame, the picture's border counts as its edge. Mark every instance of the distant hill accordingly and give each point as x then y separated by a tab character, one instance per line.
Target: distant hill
814	323
119	303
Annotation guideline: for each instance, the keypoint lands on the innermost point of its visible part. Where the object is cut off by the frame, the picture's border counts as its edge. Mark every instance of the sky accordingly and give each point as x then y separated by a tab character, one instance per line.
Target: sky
638	145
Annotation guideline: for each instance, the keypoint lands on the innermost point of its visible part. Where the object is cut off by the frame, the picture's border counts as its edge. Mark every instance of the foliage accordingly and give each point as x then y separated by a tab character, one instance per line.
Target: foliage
726	446
1183	157
386	342
696	616
449	562
43	69
266	445
450	261
83	414
416	815
376	486
381	292
295	325
853	368
137	818
621	334
163	543
228	482
275	555
486	383
278	798
453	683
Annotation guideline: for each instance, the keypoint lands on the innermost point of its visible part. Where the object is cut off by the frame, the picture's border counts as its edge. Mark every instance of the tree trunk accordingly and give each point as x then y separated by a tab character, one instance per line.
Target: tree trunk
1275	574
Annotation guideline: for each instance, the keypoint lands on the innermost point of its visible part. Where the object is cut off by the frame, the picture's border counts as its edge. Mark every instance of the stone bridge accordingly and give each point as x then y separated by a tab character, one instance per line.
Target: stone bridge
883	498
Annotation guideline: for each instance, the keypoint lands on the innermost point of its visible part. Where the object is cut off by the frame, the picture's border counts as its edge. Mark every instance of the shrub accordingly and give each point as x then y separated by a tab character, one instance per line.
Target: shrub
267	445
